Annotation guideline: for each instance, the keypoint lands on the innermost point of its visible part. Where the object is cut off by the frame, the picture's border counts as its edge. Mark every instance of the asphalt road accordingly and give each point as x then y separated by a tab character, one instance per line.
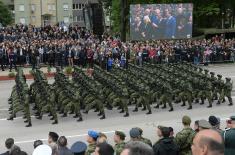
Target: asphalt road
75	131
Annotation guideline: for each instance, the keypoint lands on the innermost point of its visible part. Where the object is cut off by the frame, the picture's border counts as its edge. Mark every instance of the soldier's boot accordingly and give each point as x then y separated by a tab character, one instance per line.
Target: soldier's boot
209	106
164	106
52	118
190	107
202	102
230	101
34	108
126	115
80	119
218	103
103	116
37	114
11	113
99	114
150	112
10	109
50	114
55	122
157	106
26	121
96	110
39	117
75	116
64	115
196	100
183	104
109	107
122	111
10	118
171	109
29	125
223	100
144	108
71	112
24	117
119	108
135	110
85	112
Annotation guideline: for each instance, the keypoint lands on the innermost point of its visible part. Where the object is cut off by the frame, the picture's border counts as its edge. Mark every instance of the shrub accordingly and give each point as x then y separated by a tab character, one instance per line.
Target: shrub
68	70
11	75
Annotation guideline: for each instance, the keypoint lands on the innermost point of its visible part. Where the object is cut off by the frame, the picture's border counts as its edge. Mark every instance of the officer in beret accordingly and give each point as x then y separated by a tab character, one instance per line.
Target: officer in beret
91	140
184	138
79	148
119	139
134	134
229	137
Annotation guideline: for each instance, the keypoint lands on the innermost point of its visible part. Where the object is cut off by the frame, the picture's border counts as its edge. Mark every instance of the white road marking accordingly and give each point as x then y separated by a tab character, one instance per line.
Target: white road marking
72	136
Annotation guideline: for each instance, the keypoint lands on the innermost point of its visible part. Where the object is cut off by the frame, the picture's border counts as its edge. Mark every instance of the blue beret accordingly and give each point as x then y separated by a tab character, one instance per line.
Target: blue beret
78	147
93	134
134	133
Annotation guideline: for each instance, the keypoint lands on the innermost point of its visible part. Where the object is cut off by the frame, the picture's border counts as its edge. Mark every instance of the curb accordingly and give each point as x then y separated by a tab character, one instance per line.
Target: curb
28	76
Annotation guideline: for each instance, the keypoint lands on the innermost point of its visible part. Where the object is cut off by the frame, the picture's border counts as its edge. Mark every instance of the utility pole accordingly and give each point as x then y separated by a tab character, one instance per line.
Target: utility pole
123	20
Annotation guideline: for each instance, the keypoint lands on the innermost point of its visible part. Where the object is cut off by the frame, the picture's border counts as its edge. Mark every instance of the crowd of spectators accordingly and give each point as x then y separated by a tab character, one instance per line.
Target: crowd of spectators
205	138
55	46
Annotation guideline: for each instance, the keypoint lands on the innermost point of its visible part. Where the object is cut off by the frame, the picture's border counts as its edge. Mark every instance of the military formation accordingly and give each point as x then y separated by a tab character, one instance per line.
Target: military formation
146	87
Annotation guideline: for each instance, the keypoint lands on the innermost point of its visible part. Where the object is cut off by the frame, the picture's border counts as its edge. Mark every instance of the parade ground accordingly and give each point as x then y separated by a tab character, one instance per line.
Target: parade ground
76	131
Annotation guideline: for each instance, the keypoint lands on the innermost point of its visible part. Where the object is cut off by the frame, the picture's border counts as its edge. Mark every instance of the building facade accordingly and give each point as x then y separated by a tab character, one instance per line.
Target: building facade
48	12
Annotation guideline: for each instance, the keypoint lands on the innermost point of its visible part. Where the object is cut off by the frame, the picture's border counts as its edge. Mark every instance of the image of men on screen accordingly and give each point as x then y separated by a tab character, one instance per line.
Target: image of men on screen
161	21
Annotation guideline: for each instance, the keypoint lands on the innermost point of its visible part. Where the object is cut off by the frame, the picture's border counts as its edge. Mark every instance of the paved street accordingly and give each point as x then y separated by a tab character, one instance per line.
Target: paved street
24	137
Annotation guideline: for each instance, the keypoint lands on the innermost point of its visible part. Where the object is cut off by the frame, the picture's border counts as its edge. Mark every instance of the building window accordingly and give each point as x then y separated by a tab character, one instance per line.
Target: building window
49	7
22	20
21	7
80	7
83	5
53	7
74	18
66	7
33	18
33	7
79	18
66	19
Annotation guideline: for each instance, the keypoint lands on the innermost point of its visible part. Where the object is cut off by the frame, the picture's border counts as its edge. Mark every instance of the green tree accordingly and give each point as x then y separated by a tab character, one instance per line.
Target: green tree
5	15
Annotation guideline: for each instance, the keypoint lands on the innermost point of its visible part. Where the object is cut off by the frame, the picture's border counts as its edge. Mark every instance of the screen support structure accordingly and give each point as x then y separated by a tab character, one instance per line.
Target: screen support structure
123	20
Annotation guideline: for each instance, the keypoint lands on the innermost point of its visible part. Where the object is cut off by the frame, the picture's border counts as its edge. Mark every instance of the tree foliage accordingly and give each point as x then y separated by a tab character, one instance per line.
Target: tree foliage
5	15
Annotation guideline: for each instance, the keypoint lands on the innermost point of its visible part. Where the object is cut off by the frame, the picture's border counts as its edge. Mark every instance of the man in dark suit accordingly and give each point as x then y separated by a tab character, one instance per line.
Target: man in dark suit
170	25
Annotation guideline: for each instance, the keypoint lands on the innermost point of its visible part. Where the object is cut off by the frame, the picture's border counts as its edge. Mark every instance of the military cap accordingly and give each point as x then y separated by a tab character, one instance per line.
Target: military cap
213	120
121	134
232	118
134	133
186	120
204	124
212	73
43	149
93	134
220	76
228	79
160	127
78	147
